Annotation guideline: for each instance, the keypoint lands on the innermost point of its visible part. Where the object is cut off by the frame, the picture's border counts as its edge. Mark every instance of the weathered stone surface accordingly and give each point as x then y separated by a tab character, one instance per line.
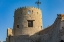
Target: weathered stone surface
23	33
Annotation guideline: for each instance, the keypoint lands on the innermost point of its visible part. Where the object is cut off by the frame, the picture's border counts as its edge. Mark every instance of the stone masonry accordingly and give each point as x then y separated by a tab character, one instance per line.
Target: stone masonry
28	27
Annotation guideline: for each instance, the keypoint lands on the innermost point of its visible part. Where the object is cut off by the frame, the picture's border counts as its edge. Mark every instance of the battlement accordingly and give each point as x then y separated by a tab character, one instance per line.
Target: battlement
26	7
62	15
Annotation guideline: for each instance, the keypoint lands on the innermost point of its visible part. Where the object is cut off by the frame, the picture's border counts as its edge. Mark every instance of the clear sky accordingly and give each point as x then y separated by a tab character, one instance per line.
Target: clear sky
50	9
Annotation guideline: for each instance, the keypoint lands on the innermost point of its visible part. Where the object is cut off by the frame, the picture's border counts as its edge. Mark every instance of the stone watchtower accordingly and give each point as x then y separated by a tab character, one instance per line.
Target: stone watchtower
27	21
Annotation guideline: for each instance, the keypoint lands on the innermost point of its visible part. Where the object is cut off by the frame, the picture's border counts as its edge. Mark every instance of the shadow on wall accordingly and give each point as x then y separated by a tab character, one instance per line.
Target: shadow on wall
62	41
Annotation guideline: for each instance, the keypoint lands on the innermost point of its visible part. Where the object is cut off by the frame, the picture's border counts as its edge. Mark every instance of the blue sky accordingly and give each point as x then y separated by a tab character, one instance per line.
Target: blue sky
50	9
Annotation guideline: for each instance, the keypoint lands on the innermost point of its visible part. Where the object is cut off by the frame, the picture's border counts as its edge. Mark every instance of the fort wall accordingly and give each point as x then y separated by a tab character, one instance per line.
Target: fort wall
52	31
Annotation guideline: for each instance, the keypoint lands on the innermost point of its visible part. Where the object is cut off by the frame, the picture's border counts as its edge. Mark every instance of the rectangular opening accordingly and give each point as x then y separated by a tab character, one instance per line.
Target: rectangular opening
17	26
30	23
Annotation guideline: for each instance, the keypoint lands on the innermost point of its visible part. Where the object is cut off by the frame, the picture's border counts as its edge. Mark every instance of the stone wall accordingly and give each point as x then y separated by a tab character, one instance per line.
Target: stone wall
24	38
52	33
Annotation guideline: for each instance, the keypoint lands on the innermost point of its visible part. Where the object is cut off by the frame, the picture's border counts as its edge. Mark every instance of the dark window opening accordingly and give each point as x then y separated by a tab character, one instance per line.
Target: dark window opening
32	10
41	26
30	23
17	26
37	12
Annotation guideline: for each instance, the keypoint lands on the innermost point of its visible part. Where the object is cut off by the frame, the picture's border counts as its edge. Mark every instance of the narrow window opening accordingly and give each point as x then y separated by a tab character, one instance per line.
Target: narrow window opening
37	12
17	26
62	27
32	11
41	26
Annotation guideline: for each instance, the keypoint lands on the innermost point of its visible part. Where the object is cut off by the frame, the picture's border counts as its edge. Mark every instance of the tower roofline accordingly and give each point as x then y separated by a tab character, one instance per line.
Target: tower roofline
27	7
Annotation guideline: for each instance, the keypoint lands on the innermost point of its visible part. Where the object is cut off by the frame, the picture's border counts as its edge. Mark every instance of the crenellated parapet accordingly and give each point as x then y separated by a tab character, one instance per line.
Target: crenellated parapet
22	8
61	16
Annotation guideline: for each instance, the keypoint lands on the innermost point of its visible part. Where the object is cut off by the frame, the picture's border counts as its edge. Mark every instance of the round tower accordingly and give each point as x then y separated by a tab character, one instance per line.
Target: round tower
27	21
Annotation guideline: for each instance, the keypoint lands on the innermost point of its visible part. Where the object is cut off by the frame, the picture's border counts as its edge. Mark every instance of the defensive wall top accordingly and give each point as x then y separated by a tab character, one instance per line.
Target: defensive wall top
62	15
27	8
